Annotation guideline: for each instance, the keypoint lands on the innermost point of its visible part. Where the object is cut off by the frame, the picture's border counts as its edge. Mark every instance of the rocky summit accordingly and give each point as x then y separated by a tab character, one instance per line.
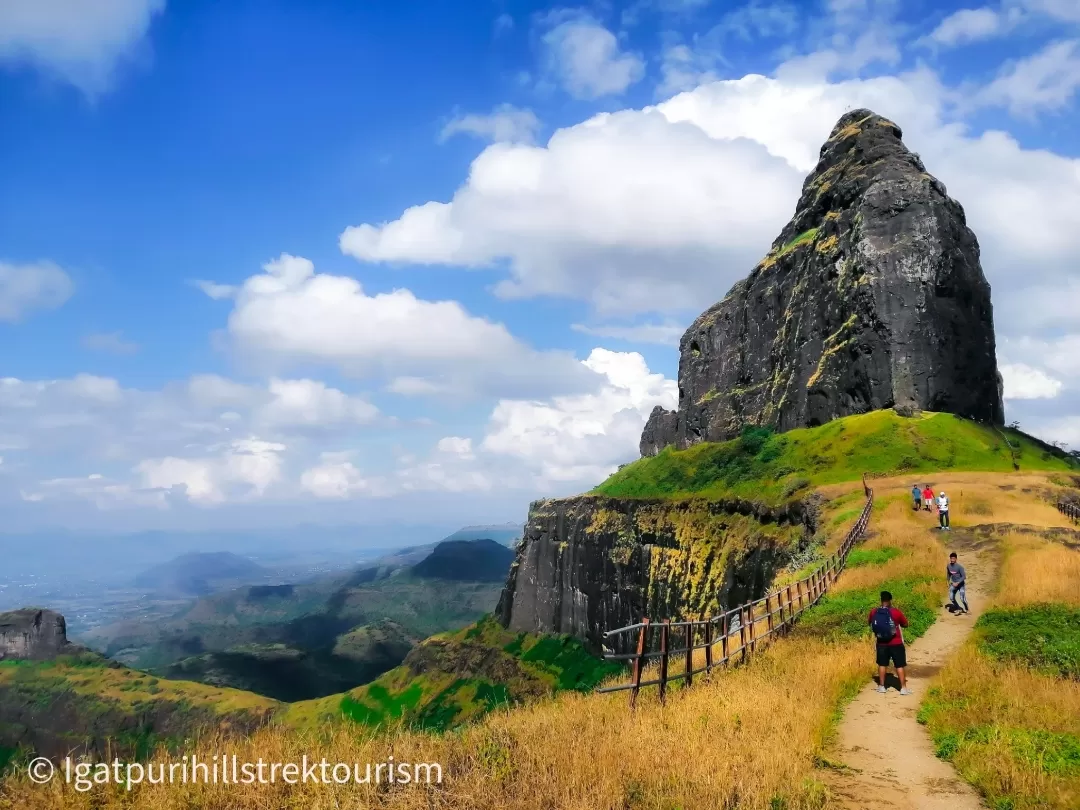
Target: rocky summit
31	633
871	297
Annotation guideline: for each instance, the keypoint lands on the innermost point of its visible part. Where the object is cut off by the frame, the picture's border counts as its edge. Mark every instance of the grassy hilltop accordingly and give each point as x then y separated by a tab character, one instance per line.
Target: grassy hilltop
763	466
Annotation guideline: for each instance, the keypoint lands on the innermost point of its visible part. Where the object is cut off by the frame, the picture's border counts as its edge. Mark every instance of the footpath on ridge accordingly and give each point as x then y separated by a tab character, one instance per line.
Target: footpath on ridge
885	757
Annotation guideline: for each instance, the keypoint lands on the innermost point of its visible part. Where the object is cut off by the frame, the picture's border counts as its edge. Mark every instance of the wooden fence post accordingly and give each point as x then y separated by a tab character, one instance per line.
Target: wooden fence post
724	641
663	658
708	646
798	587
638	666
689	655
790	612
768	612
742	632
753	630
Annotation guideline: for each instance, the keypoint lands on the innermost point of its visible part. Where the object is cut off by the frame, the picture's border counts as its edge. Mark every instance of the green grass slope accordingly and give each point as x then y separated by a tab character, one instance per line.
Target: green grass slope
764	466
85	702
457	677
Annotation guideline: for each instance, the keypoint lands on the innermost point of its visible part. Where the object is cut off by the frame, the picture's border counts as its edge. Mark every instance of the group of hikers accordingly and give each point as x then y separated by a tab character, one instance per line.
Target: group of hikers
887	622
924	499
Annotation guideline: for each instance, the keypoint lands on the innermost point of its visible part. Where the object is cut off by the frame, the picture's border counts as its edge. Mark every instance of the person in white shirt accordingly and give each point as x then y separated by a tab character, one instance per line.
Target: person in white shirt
943	512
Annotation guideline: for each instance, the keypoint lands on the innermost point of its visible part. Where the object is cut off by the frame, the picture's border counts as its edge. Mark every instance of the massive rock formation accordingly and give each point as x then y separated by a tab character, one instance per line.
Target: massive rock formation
33	634
591	563
871	297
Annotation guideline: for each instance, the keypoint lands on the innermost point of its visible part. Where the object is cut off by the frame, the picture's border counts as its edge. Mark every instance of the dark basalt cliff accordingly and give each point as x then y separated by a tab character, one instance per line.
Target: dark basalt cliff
33	634
871	297
591	563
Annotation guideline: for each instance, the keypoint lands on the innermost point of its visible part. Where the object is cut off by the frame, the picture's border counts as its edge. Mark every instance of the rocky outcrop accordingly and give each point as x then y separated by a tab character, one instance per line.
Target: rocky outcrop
871	297
591	563
33	634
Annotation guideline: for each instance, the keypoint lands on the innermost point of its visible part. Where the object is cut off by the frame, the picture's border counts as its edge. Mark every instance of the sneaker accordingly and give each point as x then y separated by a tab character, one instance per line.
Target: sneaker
882	689
905	691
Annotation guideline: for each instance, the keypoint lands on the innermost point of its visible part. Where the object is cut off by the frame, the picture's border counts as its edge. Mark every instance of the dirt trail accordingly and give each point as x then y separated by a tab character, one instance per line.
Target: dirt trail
889	756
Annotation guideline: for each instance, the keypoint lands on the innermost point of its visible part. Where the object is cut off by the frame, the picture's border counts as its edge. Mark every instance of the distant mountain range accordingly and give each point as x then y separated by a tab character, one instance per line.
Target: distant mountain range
307	639
200	573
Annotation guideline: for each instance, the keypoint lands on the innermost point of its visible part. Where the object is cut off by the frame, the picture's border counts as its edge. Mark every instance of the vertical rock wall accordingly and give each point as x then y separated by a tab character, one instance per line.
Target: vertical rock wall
590	564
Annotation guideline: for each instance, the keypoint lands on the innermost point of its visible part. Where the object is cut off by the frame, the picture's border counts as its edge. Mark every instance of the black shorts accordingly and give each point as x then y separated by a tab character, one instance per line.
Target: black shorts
896	652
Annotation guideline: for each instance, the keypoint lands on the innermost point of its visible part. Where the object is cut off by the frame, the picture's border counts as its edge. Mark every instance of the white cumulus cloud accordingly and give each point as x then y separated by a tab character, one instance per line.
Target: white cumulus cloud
29	288
246	468
587	60
1046	80
78	41
314	404
335	478
582	438
968	25
1025	382
506	123
290	314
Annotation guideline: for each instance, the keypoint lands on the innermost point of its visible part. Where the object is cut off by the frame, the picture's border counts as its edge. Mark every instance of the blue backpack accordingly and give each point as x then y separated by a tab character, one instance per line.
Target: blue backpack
883	625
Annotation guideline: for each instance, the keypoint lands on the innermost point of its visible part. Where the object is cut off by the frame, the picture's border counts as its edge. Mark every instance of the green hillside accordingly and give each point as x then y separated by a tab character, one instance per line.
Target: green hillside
84	701
456	677
764	466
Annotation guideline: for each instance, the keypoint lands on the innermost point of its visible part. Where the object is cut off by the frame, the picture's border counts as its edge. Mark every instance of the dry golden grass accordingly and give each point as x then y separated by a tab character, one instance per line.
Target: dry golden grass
897	526
1003	714
1003	725
1038	571
761	726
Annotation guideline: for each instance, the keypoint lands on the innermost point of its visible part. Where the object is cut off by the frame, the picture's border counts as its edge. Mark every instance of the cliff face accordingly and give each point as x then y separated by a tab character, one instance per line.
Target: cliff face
590	564
32	634
871	297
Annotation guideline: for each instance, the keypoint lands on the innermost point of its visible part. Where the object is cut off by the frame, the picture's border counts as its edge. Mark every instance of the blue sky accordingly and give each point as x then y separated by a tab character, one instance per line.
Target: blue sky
272	260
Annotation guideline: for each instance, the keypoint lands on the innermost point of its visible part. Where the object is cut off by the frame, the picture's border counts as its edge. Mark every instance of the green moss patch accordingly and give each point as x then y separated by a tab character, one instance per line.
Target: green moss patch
1045	637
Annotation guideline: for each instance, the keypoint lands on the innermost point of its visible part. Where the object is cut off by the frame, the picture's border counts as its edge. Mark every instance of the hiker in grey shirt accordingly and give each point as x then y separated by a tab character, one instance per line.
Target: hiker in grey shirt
956	576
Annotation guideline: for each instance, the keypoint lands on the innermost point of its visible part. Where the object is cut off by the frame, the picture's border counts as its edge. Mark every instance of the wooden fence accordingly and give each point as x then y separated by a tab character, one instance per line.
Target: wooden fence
1069	509
733	636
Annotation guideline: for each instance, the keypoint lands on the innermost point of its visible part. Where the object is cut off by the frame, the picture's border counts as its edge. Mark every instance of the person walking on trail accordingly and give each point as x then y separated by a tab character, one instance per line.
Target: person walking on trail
956	576
928	498
916	494
886	623
943	511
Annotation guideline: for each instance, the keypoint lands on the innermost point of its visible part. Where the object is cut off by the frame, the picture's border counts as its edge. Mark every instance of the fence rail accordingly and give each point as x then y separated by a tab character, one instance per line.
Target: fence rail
735	635
1069	510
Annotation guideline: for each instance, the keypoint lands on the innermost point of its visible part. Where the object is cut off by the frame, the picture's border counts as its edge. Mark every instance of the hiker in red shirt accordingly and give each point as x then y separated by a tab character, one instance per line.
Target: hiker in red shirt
927	498
886	623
